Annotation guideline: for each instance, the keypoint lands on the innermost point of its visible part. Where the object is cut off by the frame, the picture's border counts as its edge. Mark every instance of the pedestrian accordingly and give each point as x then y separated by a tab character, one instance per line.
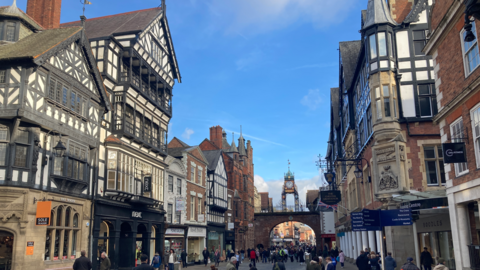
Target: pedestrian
105	265
330	265
232	264
248	253
441	265
238	259
300	256
171	259
409	265
242	255
314	264
374	261
278	265
205	254
252	257
426	259
265	255
156	261
144	263
183	255
320	261
82	263
341	257
216	258
362	261
257	255
390	263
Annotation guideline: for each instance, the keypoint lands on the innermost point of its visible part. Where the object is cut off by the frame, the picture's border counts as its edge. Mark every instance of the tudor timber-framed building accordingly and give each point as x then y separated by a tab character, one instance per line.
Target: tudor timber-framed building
49	87
382	114
135	56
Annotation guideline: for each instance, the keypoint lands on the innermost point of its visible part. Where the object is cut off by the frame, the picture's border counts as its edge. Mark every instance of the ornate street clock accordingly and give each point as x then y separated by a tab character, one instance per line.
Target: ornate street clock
289	187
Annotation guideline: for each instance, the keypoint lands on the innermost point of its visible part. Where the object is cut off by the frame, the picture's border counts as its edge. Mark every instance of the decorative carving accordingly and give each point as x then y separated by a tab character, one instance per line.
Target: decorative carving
36	150
388	180
386	154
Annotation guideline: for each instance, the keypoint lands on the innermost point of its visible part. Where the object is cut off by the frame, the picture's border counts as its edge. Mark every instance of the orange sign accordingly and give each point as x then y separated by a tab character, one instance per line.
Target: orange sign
43	213
29	247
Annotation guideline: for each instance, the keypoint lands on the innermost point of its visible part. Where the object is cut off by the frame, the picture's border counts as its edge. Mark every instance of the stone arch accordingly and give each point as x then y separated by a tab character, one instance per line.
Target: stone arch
265	222
15	243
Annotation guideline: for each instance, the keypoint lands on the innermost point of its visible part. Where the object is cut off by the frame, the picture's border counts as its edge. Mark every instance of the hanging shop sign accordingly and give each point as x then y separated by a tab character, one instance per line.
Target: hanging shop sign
331	197
42	217
147	183
201	218
230	225
454	152
230	236
179	204
30	247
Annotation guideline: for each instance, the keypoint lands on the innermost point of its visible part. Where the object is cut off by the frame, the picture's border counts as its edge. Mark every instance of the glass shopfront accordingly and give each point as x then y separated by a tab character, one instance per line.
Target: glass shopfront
195	244
435	234
215	241
175	239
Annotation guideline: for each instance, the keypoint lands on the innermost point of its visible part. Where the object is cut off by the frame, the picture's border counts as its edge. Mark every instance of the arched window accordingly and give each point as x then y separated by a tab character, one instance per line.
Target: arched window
75	221
59	216
67	216
62	226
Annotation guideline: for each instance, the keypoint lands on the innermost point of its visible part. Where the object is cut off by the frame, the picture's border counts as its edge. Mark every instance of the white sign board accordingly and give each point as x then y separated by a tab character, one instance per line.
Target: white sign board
201	218
175	231
197	232
230	225
179	204
328	221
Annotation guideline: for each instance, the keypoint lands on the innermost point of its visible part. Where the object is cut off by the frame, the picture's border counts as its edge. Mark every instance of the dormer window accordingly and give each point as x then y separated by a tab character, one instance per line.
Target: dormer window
8	31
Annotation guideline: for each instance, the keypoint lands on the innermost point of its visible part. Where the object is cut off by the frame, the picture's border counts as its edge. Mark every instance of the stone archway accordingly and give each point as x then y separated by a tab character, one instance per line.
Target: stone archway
265	222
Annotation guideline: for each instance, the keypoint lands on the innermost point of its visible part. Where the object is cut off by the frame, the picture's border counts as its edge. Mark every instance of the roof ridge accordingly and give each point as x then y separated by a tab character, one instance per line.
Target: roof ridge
74	33
114	15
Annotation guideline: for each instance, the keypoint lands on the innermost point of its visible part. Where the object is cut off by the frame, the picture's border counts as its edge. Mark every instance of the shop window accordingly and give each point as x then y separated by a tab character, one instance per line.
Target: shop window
67	216
427	100
419	41
170	183
179	186
48	244
75	221
457	135
59	216
434	165
471	59
192	207
169	213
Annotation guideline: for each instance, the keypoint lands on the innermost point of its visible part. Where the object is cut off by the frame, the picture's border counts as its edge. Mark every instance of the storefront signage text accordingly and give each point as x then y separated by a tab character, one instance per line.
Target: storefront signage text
454	152
30	247
147	184
136	214
373	220
67	200
197	232
175	231
43	213
331	197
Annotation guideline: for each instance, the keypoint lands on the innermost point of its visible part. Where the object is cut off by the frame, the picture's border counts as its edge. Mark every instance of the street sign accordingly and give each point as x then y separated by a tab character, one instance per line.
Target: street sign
371	218
374	220
397	217
331	197
454	152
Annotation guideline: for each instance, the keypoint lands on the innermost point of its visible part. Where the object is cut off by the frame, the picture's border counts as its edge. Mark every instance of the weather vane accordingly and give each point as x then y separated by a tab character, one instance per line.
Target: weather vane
85	2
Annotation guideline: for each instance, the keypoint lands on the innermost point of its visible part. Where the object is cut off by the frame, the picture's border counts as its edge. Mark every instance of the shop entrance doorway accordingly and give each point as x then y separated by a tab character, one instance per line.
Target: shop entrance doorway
141	243
6	250
126	253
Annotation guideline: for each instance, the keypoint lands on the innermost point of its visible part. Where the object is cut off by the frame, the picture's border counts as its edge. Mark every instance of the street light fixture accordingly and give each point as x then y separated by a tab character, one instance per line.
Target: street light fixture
358	173
59	148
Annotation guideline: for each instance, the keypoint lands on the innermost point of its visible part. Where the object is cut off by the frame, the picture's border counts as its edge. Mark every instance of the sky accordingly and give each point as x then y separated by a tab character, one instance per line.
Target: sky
265	65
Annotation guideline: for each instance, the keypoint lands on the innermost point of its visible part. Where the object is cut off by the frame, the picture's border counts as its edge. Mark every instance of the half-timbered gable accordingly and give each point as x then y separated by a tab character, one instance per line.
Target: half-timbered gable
216	186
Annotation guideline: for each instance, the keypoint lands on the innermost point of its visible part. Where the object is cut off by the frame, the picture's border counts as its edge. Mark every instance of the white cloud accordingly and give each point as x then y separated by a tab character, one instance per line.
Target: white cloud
260	183
312	100
187	133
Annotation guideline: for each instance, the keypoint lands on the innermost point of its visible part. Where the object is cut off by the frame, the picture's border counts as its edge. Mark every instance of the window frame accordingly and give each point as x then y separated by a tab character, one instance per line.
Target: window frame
192	207
437	159
475	136
457	165
414	41
170	183
432	97
26	146
170	213
464	54
179	186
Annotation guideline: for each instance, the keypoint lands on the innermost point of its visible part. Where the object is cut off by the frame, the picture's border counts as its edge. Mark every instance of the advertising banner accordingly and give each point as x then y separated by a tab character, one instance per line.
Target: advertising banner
42	217
179	204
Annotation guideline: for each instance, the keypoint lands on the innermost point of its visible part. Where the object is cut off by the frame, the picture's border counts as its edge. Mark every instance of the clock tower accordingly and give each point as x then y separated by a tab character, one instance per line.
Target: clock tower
289	187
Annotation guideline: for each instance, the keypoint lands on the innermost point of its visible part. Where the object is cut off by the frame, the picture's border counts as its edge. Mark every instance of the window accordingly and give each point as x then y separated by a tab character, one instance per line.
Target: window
229	202
199	176
169	212
199	204
434	165
21	148
170	183
382	44
10	33
427	100
373	47
178	217
244	183
471	58
192	207
378	102
457	135
245	210
192	173
3	144
3	74
386	100
475	116
179	186
419	41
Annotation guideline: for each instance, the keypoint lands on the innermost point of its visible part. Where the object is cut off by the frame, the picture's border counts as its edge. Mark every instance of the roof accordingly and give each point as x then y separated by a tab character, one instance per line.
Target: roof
134	21
233	147
414	14
334	101
225	144
349	50
7	11
212	157
364	15
177	152
378	13
241	146
37	44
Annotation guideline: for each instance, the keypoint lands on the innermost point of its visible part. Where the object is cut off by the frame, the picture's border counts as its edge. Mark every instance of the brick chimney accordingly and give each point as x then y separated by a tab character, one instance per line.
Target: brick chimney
216	136
45	12
399	9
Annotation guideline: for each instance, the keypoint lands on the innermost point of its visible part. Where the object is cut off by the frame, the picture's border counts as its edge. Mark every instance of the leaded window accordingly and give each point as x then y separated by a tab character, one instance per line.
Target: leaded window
10	32
419	41
3	144
3	74
21	148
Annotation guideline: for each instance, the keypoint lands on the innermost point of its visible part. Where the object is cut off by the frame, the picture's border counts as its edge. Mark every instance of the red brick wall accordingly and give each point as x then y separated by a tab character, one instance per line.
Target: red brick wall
216	136
207	145
175	143
439	10
45	12
192	185
400	9
473	224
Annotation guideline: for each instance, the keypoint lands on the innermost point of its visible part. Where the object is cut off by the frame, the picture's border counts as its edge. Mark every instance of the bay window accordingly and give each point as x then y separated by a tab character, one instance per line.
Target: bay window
3	144
373	46
21	148
382	44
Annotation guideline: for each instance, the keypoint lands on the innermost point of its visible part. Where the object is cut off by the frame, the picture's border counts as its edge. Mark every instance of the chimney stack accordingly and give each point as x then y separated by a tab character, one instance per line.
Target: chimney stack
399	9
45	12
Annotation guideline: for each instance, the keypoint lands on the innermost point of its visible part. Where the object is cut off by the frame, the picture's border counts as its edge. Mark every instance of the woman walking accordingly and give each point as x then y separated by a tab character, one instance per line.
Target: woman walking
374	261
217	258
341	256
171	260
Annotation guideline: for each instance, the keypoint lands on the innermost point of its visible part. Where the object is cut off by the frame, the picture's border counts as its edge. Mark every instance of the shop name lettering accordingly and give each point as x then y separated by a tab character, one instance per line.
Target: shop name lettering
428	224
193	229
136	214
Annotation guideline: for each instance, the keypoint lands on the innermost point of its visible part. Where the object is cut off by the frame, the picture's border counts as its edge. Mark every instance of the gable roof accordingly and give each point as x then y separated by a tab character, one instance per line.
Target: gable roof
349	50
177	152
6	11
179	141
378	13
129	22
414	14
212	158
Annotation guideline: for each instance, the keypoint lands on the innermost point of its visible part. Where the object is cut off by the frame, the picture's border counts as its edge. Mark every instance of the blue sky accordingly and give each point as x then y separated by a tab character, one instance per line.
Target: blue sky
267	65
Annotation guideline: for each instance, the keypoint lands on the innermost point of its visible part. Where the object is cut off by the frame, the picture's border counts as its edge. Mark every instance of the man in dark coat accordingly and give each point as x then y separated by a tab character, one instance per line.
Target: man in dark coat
144	265
409	265
205	254
362	261
183	255
426	259
82	263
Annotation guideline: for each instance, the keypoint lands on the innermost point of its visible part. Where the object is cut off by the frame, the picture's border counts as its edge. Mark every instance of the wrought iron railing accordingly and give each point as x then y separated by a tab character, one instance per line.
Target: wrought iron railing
474	252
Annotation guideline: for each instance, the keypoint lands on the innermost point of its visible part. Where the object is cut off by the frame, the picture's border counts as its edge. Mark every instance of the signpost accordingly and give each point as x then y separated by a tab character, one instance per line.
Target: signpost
374	220
399	217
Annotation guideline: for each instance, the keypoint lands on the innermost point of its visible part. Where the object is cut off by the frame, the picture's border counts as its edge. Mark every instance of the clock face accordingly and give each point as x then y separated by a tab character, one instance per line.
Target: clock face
289	184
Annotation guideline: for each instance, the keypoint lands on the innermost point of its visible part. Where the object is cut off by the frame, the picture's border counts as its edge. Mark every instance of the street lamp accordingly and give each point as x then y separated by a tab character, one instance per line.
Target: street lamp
358	173
59	148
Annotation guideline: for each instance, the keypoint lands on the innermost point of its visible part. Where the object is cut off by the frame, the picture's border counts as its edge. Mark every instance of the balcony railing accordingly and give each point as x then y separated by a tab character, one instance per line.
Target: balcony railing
474	252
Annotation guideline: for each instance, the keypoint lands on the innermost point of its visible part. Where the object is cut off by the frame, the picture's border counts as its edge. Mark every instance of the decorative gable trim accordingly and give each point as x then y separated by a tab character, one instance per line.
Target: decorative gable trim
414	15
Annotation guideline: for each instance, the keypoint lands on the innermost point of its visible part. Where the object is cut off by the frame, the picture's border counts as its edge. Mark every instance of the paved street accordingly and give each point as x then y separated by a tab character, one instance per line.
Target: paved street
268	266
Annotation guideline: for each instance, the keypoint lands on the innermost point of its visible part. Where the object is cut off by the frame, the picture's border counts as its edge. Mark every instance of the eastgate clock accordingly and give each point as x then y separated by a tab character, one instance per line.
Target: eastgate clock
289	184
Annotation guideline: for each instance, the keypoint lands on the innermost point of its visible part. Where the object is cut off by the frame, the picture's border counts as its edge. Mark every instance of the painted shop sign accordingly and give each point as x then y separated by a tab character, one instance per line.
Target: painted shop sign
331	197
175	231
136	214
197	231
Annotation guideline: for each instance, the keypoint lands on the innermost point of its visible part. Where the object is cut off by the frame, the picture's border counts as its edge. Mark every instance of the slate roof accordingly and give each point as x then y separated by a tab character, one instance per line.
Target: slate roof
4	11
212	157
130	22
349	50
36	44
378	13
241	146
334	95
177	152
233	147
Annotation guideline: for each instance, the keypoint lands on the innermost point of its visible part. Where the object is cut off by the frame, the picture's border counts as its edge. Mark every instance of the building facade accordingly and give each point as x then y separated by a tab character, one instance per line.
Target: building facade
381	121
52	99
456	62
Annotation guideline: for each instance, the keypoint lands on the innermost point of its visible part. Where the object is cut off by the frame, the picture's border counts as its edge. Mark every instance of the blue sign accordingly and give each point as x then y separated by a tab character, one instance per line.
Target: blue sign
400	217
371	218
359	223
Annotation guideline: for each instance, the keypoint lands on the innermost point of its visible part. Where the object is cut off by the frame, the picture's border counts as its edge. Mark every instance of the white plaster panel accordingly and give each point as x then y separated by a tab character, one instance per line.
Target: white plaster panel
384	64
421	63
2	174
15	176
374	66
403	46
422	75
408	100
406	76
25	177
422	18
404	65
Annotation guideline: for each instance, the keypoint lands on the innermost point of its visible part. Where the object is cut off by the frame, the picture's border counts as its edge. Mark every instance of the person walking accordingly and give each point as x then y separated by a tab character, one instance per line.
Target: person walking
390	263
314	264
278	264
426	259
232	264
409	265
105	265
171	259
144	263
330	265
257	255
374	261
252	257
238	259
156	261
362	261
205	254
341	257
300	257
441	265
183	255
82	263
217	257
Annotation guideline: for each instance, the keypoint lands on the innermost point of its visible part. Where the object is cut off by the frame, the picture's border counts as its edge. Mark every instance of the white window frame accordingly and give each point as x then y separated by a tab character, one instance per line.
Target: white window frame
476	136
464	54
457	173
192	207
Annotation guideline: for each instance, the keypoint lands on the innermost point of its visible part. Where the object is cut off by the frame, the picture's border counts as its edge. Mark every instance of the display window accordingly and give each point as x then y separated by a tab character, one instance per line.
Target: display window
61	236
440	245
177	244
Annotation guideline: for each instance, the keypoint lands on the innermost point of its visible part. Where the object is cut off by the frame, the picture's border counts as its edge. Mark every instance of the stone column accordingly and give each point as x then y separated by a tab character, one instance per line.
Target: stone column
359	242
379	238
349	244
372	244
364	240
354	244
415	240
346	248
463	233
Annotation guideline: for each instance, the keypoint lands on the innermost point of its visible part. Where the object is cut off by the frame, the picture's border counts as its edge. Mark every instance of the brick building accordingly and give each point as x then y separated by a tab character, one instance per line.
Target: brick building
240	170
381	121
195	163
458	95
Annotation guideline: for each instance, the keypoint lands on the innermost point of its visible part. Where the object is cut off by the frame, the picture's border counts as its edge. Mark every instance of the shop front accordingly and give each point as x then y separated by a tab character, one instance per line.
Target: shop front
195	244
125	232
230	240
329	240
216	240
175	239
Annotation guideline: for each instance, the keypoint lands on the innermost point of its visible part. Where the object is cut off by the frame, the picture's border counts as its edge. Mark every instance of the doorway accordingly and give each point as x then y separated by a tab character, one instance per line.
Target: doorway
6	250
127	254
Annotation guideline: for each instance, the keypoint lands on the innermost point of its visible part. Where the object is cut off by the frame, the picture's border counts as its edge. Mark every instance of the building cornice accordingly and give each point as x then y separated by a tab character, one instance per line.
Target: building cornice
450	18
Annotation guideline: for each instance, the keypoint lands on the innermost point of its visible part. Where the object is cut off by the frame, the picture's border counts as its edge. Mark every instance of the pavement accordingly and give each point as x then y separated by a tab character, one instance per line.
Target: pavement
268	266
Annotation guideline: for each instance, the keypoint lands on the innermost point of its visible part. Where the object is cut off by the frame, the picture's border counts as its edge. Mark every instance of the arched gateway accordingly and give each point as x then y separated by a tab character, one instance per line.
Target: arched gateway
265	222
